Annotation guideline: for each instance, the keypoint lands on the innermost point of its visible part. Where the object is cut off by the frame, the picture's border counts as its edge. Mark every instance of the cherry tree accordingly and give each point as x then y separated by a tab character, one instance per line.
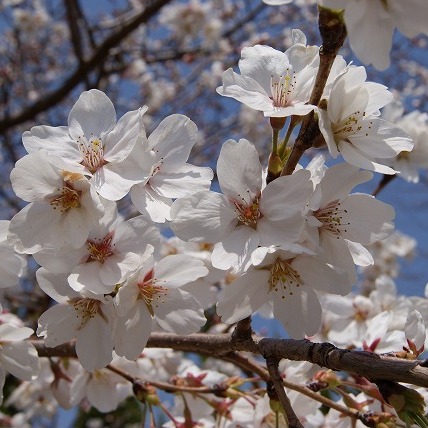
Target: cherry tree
180	174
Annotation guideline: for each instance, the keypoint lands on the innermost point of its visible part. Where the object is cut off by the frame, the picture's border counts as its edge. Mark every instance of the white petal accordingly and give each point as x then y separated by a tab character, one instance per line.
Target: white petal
415	329
339	180
179	269
20	359
133	331
318	275
58	324
173	140
184	181
94	355
286	196
55	285
261	63
53	139
11	333
239	171
92	115
147	201
355	157
179	312
244	296
121	140
245	90
300	314
370	220
235	250
86	276
205	216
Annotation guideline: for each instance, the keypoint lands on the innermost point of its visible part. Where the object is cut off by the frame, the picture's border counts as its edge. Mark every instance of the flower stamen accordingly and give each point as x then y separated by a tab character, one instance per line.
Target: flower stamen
150	291
283	275
102	250
332	218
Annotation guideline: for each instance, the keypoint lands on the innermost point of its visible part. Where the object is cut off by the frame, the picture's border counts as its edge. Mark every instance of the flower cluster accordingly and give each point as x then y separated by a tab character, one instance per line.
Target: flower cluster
284	244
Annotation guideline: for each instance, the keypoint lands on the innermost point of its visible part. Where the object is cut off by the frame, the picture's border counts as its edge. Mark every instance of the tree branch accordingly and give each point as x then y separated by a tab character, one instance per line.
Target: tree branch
293	420
84	68
362	363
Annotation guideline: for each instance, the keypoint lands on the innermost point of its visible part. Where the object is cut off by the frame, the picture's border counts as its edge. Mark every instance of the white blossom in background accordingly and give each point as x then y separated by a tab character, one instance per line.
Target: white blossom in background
34	398
408	163
415	331
351	125
371	23
165	153
289	278
17	356
95	141
63	205
271	82
12	265
245	216
103	389
154	293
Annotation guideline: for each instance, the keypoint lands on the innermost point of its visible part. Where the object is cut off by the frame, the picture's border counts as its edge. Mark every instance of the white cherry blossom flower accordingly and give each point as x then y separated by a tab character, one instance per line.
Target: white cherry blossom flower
288	278
12	264
371	23
154	293
63	205
165	153
114	249
244	216
270	81
17	356
80	316
103	389
341	223
409	163
94	141
351	126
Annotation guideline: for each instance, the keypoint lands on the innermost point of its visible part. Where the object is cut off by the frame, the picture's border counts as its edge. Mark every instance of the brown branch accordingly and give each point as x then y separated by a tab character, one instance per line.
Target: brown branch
333	34
366	364
84	68
293	420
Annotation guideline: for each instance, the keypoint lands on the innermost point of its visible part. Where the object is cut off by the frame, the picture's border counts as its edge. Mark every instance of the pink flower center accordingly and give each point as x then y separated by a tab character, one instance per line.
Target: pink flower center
101	250
150	291
248	214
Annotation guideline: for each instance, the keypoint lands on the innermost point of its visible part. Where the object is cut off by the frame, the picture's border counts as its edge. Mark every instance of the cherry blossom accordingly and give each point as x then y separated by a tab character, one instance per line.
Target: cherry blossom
269	82
63	205
341	223
17	356
287	277
245	215
372	23
165	153
351	126
154	293
94	141
13	265
80	316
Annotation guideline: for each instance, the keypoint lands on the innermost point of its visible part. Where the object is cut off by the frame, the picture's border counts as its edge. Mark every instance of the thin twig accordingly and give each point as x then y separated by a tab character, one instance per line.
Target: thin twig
293	420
